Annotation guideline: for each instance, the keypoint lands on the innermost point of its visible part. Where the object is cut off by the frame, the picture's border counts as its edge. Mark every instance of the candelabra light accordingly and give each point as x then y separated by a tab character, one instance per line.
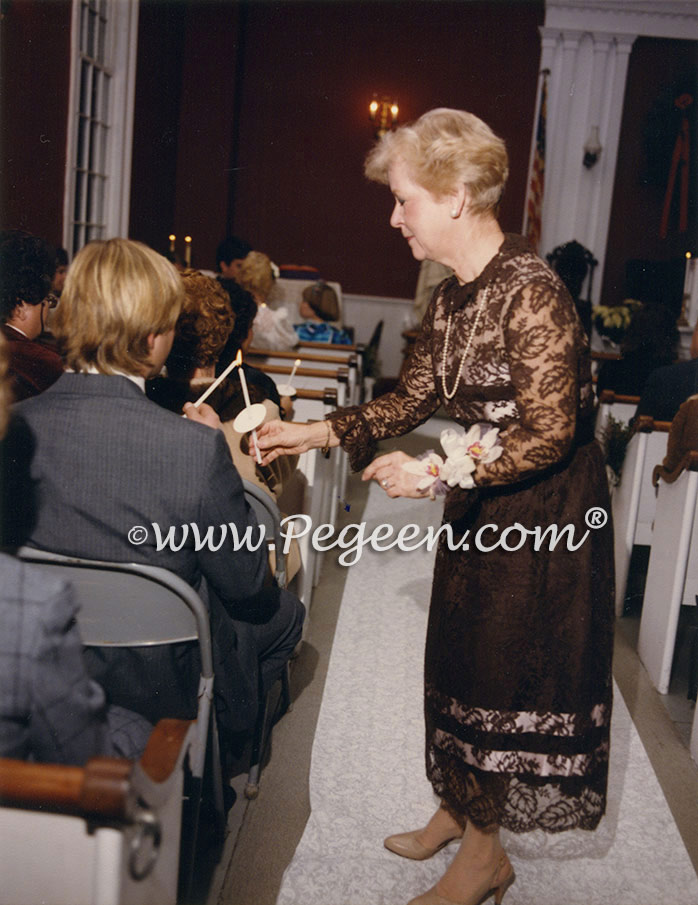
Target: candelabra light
383	114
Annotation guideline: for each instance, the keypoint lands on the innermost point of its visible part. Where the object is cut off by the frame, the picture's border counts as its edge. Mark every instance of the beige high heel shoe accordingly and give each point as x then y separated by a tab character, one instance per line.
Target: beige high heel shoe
498	884
407	845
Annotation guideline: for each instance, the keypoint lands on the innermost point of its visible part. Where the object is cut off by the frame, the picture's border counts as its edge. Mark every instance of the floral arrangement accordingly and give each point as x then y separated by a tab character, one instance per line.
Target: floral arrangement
614	441
612	321
463	452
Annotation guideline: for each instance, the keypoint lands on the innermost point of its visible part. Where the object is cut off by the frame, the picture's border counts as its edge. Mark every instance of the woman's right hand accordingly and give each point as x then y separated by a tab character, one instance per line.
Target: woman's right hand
281	438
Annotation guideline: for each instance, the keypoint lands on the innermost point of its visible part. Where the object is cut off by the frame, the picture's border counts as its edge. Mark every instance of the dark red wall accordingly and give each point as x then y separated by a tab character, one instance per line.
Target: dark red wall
184	124
34	76
659	70
161	39
310	70
253	119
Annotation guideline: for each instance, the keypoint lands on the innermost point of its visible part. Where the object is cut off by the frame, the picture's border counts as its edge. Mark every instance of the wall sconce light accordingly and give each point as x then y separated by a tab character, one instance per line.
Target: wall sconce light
592	149
383	114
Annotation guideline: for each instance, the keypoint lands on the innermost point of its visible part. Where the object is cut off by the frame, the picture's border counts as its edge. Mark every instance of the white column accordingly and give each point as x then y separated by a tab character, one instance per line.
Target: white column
586	46
601	191
586	88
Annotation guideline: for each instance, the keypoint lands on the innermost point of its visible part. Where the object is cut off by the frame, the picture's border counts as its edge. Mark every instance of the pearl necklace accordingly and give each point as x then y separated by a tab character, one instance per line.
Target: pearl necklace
449	394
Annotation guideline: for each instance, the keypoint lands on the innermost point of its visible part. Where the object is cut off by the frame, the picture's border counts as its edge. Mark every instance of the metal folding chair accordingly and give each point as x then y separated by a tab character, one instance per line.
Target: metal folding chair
269	516
136	605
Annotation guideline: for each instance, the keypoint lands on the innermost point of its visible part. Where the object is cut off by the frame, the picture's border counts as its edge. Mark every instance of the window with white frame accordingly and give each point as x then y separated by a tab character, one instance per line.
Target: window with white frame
104	34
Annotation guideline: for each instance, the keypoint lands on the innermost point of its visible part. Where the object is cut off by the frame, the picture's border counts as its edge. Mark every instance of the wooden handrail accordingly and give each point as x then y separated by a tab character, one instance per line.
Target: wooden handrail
608	397
605	356
306	356
352	347
101	788
162	751
328	395
646	424
341	374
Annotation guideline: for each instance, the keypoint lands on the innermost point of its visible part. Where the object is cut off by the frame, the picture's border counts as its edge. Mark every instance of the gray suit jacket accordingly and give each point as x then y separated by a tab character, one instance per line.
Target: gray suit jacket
50	710
108	460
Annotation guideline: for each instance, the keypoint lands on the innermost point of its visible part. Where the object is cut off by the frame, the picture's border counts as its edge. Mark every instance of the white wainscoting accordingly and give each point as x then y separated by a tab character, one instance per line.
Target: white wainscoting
362	312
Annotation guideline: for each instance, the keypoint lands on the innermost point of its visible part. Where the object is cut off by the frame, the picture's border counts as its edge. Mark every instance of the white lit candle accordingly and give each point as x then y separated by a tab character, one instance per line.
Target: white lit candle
172	242
293	372
243	381
221	377
248	404
187	250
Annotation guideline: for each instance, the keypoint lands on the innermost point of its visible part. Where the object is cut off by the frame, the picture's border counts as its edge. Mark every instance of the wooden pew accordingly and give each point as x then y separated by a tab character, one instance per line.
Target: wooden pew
672	574
107	833
263	358
633	501
321	379
319	479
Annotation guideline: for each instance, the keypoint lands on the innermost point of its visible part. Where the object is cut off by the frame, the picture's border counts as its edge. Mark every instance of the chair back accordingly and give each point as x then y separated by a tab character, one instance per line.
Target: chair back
269	516
130	604
575	266
136	605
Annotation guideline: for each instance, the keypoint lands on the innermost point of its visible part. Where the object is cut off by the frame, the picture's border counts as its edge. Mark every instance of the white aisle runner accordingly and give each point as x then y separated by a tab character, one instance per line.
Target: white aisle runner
367	773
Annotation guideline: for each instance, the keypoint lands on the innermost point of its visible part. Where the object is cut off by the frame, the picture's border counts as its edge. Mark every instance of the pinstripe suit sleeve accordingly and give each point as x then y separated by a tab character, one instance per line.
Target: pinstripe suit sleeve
234	575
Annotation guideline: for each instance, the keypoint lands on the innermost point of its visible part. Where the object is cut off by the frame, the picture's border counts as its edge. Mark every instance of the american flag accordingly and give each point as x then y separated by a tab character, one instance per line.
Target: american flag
534	204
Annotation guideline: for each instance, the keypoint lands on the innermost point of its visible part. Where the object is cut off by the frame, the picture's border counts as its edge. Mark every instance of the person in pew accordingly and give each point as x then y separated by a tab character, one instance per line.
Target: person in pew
241	339
518	688
319	306
272	329
27	266
120	478
667	387
205	326
230	254
50	709
683	438
650	342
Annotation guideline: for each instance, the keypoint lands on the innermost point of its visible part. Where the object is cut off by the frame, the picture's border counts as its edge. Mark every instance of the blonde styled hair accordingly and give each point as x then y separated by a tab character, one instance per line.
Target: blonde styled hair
116	294
256	275
204	325
445	148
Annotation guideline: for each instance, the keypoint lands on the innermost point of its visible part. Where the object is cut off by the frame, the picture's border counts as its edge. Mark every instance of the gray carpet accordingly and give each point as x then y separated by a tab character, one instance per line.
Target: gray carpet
367	777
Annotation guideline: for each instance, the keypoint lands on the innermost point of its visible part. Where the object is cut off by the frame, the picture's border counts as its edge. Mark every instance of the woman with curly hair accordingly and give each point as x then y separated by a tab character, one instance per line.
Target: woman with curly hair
209	326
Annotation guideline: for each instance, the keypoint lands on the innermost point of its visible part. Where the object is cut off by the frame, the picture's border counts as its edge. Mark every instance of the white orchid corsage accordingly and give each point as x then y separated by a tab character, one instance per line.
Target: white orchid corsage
463	452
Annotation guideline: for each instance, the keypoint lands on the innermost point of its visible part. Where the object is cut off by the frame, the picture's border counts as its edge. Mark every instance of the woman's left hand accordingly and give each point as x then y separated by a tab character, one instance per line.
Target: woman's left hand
393	478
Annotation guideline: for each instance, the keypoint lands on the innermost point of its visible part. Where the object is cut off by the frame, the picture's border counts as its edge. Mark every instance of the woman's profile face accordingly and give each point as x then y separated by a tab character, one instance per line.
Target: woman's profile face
422	219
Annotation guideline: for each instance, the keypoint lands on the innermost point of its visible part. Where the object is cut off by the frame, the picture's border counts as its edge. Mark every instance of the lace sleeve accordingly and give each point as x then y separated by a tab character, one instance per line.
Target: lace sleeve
541	341
412	401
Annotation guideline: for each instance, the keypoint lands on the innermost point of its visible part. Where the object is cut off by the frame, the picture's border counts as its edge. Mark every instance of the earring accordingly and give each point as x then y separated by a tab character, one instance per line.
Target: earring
454	213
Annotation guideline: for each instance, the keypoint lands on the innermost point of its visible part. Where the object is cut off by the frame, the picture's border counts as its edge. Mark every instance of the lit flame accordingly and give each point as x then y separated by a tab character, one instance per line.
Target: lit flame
238	359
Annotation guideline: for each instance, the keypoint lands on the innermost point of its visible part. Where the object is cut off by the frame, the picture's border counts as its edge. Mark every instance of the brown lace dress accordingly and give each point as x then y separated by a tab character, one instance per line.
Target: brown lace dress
518	654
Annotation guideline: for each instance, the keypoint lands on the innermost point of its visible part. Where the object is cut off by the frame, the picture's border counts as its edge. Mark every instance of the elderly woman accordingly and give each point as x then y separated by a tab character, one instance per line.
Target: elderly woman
518	652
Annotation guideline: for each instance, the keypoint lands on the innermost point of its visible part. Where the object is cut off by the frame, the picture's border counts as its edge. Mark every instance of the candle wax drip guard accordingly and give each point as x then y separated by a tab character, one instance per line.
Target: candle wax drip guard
249	418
